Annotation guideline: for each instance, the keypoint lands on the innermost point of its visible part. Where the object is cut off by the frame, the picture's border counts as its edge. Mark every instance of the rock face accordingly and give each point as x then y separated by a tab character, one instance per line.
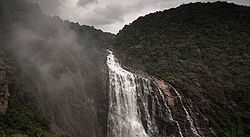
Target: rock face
4	93
190	120
142	106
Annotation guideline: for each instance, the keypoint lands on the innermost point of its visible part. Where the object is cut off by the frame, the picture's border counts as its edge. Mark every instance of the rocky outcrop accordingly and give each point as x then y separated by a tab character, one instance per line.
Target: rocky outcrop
173	114
4	93
182	110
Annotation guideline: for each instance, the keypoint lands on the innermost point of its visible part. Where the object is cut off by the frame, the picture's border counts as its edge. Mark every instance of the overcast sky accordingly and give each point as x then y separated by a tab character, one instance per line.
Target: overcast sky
110	15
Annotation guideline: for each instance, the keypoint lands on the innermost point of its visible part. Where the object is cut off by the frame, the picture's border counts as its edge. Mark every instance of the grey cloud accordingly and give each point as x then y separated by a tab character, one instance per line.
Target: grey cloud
97	21
107	15
84	3
49	6
110	13
113	13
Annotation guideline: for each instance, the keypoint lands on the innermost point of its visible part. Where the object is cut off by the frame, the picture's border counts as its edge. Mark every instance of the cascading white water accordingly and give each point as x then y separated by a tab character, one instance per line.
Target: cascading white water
144	96
124	120
170	115
125	91
189	118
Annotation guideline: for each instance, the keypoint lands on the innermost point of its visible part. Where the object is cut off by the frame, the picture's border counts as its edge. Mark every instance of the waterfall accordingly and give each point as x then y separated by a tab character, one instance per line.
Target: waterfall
188	117
137	105
170	114
143	97
124	119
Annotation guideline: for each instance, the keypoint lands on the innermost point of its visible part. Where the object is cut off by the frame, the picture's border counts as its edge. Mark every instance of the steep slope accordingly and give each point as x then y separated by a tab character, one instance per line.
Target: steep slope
203	50
61	78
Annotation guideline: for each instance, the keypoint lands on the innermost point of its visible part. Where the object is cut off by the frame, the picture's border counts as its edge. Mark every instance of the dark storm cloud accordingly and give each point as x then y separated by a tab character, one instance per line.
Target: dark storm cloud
84	3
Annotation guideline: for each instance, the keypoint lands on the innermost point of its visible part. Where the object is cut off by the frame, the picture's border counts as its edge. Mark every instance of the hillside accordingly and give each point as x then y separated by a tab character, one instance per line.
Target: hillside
55	81
49	70
203	50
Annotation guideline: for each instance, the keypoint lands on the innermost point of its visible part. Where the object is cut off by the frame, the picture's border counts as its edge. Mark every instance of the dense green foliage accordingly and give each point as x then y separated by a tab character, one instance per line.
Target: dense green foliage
203	50
19	121
236	130
71	49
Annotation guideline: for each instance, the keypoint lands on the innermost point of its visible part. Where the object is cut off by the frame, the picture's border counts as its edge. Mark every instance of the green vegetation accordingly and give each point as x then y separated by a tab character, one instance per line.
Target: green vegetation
158	135
202	49
236	129
62	44
19	121
7	63
193	135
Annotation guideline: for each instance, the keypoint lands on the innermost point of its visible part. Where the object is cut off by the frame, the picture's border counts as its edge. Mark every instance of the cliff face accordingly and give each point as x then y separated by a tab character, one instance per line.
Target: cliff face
190	120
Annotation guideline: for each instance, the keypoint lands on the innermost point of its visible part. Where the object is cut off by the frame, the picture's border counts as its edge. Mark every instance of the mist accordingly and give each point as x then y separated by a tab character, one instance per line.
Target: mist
168	73
66	72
